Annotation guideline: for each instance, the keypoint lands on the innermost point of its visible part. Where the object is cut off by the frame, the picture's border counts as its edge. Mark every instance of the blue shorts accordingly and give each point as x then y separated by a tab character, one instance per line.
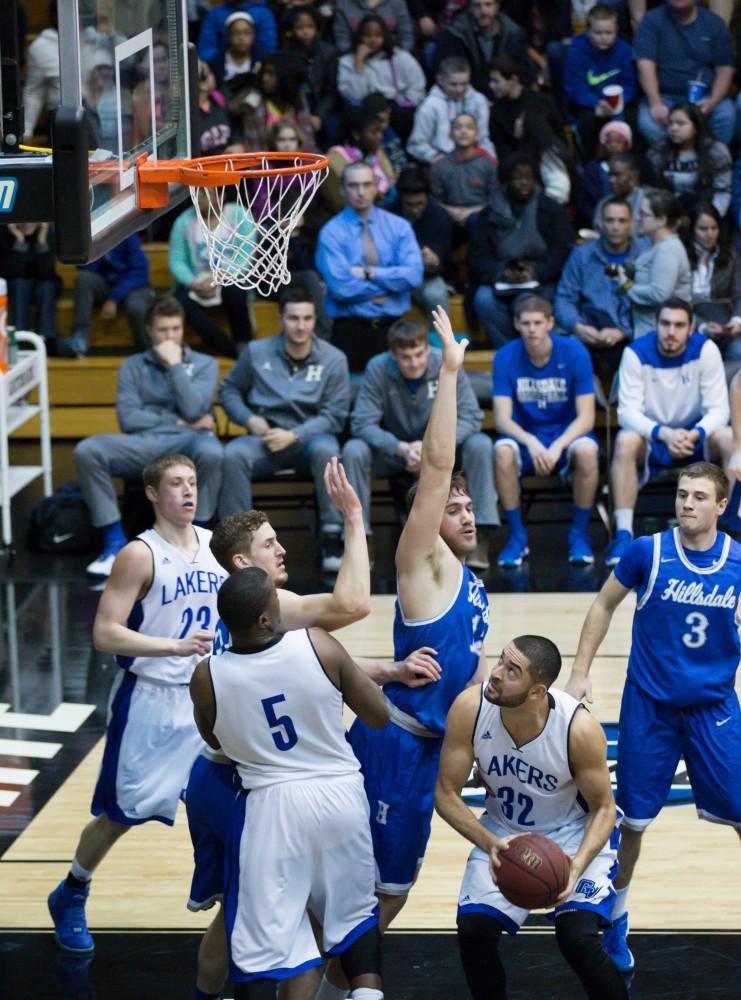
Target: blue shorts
209	803
658	458
399	771
652	738
525	465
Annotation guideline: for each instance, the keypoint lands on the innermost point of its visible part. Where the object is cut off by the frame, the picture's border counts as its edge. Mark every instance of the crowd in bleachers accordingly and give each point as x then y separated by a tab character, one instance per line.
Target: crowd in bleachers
583	155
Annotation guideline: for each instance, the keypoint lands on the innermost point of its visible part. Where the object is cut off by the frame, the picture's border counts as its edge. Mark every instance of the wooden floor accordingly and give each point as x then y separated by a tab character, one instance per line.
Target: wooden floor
689	874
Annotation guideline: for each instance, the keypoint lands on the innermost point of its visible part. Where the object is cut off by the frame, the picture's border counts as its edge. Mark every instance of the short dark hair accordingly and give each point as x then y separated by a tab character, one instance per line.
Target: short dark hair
458	484
293	295
706	470
453	64
376	102
152	474
532	303
614	200
243	597
234	534
674	302
626	157
542	655
601	12
164	305
412	180
406	333
507	66
664	203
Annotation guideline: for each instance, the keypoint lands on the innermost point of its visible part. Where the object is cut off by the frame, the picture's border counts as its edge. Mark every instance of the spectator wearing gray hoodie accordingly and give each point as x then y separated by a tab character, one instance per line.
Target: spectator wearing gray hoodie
389	420
450	96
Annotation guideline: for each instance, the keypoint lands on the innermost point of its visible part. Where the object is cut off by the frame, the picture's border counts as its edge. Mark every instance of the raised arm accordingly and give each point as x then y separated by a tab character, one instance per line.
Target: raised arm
587	754
350	599
420	541
360	693
129	580
593	632
456	760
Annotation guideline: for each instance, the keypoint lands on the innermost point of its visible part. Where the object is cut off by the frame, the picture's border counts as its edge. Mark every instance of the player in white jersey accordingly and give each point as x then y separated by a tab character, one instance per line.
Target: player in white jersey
239	541
300	840
158	614
541	757
679	697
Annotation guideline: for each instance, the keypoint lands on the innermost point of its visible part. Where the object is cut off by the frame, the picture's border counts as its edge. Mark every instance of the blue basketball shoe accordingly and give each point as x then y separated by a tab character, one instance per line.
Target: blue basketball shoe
615	943
67	908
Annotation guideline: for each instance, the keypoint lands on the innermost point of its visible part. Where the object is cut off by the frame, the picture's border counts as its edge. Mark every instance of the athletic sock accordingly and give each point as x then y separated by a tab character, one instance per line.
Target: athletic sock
620	906
78	877
580	518
113	536
514	521
202	995
363	993
328	991
624	519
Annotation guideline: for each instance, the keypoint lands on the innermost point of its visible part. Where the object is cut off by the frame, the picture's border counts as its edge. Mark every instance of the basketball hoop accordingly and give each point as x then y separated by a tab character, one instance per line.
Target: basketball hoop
247	234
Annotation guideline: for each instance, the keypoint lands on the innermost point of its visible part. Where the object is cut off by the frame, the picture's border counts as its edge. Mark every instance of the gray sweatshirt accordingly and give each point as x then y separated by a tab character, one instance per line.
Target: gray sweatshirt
387	411
150	397
661	271
309	397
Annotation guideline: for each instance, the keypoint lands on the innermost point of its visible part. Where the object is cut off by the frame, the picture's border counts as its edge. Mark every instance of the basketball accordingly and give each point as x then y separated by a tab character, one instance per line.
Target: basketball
534	871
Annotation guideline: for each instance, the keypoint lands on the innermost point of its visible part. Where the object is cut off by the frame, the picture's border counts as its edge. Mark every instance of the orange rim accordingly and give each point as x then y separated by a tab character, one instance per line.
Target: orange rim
209	171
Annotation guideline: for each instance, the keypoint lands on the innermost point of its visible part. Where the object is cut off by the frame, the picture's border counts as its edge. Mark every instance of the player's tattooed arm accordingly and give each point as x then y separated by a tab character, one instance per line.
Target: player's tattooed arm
456	761
204	703
593	632
588	758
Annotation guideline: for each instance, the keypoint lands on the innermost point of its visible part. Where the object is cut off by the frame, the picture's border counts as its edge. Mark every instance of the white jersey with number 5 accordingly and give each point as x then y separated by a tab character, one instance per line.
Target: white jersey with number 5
530	789
278	715
181	600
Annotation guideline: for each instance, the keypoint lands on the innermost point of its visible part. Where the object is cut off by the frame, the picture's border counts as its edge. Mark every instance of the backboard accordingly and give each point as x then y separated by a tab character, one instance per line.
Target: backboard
127	87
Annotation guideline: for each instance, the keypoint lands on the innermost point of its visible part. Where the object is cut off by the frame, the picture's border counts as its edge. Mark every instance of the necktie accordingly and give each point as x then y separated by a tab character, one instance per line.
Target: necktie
370	250
370	256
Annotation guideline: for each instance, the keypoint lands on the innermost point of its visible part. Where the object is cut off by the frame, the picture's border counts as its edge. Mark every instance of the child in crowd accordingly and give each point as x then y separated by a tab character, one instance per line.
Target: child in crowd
375	64
391	144
301	29
464	181
596	60
614	137
365	131
281	81
690	162
27	250
451	95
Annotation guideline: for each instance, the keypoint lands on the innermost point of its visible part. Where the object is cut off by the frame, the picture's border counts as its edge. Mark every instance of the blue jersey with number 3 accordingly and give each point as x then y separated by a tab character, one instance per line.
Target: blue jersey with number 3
457	634
685	644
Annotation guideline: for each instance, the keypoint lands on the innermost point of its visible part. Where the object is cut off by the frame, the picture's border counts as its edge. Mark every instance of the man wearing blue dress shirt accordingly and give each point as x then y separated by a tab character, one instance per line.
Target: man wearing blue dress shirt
370	262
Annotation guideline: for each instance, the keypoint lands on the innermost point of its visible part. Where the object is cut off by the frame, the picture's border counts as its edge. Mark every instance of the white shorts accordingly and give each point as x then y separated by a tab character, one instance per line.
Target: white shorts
151	743
593	890
293	847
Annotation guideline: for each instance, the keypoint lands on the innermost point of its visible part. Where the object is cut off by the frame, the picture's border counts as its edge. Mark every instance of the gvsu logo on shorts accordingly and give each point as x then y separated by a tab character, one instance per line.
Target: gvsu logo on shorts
586	887
8	191
680	793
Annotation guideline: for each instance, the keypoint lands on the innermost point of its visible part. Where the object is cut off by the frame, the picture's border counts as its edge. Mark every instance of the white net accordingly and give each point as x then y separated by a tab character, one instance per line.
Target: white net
247	226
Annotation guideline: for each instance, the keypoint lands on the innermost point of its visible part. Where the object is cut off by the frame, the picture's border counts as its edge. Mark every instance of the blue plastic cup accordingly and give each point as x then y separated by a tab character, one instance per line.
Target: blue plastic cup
696	91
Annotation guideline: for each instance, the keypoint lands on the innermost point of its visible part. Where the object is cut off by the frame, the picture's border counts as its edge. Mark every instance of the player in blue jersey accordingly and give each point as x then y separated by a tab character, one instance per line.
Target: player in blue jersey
239	541
679	697
158	614
440	604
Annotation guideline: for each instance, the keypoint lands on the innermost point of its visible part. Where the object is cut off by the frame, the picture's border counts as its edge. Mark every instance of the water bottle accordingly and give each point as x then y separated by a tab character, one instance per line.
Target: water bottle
4	361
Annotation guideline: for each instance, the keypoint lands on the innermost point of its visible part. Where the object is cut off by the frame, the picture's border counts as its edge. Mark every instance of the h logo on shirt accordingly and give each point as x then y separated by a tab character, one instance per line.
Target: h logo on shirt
383	812
432	389
314	373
